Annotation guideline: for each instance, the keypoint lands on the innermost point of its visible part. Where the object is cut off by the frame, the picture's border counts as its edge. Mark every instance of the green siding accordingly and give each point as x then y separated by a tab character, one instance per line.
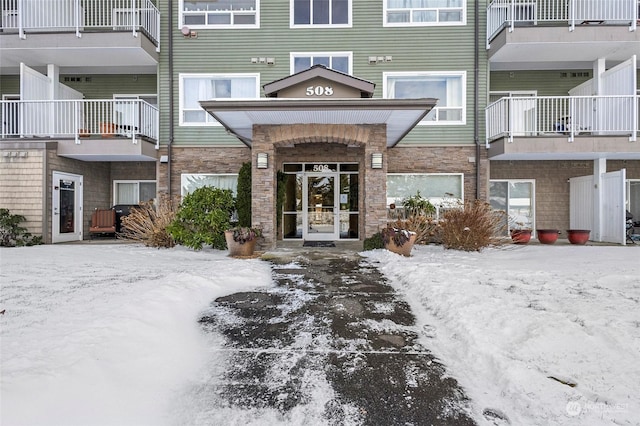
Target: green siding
412	49
9	85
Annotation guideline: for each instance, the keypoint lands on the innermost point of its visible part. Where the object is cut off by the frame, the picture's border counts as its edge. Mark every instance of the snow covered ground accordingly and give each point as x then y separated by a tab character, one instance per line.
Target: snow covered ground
108	334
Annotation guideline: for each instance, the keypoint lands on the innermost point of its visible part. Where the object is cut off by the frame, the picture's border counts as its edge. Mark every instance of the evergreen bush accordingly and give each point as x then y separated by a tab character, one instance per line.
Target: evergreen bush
12	234
374	242
243	198
202	218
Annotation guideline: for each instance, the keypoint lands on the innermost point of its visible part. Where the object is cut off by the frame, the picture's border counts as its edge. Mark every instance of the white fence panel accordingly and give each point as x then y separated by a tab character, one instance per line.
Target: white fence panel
613	207
581	202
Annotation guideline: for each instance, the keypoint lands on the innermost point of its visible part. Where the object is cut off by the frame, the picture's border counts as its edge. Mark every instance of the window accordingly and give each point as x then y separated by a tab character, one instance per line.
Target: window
443	190
424	12
220	13
320	13
133	191
447	87
198	87
340	61
189	182
516	198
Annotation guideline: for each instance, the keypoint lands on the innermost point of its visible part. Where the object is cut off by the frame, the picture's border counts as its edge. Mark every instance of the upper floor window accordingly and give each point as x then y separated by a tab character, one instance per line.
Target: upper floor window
424	12
447	87
339	61
220	13
200	87
320	13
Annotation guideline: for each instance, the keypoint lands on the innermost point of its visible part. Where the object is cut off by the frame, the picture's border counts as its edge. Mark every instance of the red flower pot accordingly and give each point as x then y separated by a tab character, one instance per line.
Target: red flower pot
520	236
578	236
547	236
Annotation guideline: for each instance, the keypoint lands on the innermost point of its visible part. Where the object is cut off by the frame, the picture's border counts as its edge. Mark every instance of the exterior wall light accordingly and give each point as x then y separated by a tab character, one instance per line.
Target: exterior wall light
376	161
263	162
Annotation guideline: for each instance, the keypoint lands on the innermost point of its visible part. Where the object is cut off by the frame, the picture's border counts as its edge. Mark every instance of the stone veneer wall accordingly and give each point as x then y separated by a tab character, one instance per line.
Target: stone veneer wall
199	160
443	160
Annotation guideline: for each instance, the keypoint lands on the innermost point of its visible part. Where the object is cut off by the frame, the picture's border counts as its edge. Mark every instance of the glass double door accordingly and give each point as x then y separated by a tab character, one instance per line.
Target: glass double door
321	206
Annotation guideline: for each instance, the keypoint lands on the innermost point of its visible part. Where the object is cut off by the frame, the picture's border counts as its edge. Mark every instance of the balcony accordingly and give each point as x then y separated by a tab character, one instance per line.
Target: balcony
88	130
98	33
563	127
547	34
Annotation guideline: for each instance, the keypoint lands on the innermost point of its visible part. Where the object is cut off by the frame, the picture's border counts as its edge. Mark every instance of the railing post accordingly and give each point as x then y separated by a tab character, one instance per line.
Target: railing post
20	20
572	16
634	119
134	17
77	18
510	120
513	11
635	11
570	118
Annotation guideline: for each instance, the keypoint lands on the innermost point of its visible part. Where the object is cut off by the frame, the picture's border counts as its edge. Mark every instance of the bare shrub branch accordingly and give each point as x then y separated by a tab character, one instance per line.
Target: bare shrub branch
147	223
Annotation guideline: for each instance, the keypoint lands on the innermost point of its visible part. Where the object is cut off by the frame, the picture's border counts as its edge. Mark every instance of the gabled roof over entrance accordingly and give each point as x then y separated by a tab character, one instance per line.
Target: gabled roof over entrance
319	96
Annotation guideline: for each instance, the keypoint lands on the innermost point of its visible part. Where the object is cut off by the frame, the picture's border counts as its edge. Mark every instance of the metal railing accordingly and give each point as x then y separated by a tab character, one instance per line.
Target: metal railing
567	116
29	16
510	13
79	118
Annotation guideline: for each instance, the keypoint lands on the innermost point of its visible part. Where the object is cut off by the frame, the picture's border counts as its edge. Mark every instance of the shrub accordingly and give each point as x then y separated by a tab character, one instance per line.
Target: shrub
416	205
427	228
374	242
12	234
243	199
202	218
472	227
148	223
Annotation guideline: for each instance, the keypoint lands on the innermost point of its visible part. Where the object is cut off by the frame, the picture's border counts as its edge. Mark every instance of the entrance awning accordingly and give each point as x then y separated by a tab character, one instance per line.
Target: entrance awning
239	116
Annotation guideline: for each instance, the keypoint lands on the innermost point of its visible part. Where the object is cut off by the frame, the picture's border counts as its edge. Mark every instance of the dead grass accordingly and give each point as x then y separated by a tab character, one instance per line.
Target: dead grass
147	223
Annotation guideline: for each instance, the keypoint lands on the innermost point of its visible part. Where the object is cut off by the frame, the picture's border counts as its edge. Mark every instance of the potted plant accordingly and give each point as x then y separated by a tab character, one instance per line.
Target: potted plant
397	240
241	240
521	236
578	236
547	236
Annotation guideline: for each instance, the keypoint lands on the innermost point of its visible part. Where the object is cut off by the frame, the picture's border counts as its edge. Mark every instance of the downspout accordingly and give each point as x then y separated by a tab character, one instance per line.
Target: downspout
476	92
171	96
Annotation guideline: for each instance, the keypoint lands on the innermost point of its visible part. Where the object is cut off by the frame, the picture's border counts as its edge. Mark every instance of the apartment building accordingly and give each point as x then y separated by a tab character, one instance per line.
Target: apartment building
562	123
348	106
79	127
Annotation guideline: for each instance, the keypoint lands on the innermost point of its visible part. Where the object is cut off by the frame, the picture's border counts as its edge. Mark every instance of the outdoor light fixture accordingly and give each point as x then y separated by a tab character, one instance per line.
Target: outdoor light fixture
262	160
376	161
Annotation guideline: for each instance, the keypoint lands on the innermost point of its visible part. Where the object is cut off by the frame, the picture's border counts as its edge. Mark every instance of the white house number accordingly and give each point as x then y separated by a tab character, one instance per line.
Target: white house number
319	91
321	168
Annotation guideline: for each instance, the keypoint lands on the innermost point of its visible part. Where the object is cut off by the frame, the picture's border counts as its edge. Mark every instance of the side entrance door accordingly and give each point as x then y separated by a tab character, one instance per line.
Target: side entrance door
66	207
320	204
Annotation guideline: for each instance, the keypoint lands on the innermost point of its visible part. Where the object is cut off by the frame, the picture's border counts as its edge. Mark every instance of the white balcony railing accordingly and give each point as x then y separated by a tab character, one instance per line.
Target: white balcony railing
79	118
27	16
510	13
566	116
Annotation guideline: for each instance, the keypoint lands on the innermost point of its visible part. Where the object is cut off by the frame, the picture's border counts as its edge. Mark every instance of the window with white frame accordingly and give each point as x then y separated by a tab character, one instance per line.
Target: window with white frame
200	87
339	61
320	13
424	12
133	191
443	190
447	87
220	13
189	182
517	199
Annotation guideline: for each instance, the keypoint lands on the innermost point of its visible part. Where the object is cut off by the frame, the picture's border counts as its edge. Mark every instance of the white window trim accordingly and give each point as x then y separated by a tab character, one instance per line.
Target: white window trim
138	181
424	24
183	178
293	55
462	74
213	27
213	123
349	23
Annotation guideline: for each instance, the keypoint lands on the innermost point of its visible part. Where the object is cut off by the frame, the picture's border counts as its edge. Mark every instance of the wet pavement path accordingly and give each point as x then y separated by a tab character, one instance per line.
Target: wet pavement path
331	343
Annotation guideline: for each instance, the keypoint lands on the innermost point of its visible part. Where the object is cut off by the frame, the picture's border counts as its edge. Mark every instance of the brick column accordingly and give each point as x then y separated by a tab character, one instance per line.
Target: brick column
374	209
263	183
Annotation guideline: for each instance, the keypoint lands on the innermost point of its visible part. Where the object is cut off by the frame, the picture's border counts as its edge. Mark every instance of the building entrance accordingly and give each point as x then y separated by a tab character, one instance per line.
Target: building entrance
321	201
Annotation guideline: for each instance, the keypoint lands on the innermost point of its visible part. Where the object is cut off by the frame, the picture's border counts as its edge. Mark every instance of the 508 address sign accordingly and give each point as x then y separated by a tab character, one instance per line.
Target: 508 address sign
319	91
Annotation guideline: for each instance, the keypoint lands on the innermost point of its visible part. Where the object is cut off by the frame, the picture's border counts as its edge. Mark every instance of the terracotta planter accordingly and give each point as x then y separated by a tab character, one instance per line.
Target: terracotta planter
404	249
521	236
548	236
578	236
238	249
